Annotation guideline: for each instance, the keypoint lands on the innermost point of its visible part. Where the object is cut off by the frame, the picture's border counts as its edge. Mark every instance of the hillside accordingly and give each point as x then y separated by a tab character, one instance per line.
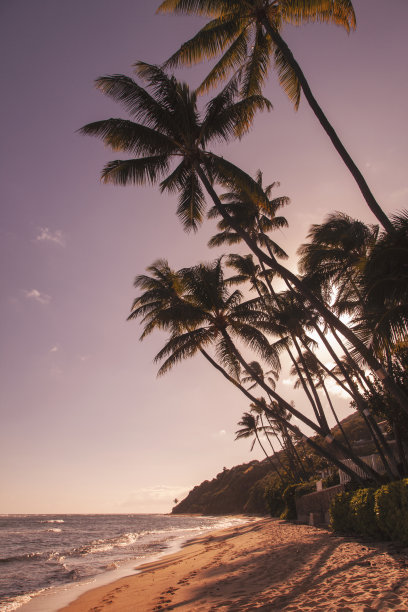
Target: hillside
241	488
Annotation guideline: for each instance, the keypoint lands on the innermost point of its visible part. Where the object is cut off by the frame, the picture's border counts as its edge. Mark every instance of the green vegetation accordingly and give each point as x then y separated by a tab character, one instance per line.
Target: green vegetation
380	513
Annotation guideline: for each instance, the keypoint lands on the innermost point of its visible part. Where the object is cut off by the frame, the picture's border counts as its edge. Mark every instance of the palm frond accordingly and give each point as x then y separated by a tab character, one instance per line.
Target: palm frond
137	100
181	347
191	203
124	135
211	40
229	62
287	78
136	171
255	69
338	12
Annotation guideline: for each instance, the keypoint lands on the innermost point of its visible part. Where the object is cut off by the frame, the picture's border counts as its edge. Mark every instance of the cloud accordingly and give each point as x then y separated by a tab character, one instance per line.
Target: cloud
47	235
220	434
152	496
36	295
54	349
334	389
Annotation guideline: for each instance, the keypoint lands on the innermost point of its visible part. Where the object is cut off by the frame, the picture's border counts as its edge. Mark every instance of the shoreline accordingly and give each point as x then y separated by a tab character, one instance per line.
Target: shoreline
60	596
265	564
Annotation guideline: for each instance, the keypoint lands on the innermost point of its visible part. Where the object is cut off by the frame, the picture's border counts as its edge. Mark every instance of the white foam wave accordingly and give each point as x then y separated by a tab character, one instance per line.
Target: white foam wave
54	530
54	521
17	602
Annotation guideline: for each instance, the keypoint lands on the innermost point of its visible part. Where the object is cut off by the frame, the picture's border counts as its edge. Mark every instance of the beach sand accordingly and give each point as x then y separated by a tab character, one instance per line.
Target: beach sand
266	564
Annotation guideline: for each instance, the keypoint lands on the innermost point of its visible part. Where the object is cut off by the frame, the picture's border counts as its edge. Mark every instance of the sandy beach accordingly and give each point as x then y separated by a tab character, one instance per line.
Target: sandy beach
266	564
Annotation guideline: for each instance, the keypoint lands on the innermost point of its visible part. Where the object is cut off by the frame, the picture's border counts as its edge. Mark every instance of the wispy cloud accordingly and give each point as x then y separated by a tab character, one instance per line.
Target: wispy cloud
47	235
146	496
219	434
54	349
334	389
36	295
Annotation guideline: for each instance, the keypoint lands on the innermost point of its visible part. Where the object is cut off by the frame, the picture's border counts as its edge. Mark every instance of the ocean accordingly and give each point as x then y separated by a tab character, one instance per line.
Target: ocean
42	555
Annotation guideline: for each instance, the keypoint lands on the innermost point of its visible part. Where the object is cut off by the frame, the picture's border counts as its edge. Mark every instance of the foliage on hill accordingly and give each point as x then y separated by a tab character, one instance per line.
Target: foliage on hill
232	491
253	487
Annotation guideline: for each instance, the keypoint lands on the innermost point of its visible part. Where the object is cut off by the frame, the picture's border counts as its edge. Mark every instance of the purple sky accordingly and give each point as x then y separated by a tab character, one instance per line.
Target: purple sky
86	427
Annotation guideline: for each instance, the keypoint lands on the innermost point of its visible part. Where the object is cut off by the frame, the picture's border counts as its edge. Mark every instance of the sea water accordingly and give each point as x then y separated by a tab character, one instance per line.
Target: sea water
41	553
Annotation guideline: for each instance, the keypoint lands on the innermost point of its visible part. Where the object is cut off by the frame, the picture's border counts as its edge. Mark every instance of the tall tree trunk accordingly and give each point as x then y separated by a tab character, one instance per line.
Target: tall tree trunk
328	128
328	316
376	433
313	445
337	446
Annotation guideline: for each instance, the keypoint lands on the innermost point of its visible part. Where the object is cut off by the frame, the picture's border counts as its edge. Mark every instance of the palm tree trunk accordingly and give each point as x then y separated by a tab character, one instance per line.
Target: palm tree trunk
328	128
329	317
362	378
335	414
274	454
337	446
314	445
269	458
362	407
322	420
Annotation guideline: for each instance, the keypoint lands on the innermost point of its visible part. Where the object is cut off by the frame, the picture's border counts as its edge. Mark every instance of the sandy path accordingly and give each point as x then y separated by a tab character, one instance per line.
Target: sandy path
263	565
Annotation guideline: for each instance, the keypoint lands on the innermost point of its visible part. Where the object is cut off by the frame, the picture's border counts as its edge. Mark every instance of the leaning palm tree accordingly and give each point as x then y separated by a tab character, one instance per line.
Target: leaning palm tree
248	428
208	317
246	33
168	128
171	129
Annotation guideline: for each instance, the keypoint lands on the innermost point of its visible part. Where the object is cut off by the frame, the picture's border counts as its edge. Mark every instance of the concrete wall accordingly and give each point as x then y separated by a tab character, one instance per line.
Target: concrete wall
313	508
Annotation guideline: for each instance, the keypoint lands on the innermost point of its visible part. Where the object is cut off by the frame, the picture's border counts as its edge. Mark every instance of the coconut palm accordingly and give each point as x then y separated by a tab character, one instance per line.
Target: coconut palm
317	375
249	427
335	254
205	315
171	129
256	216
385	286
246	33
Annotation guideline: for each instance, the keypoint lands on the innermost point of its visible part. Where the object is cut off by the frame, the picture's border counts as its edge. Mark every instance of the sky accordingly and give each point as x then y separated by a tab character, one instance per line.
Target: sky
85	424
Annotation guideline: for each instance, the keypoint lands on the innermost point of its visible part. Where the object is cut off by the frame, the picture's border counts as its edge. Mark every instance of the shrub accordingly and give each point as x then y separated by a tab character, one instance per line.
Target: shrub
391	510
362	515
291	494
382	512
340	515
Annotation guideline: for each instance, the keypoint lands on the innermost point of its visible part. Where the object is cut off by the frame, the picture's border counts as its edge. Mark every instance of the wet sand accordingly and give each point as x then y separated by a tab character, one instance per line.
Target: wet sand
262	565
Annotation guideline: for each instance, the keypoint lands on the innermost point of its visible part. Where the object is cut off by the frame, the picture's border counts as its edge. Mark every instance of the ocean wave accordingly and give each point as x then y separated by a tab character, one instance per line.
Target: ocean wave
54	530
57	556
54	521
25	557
105	545
10	604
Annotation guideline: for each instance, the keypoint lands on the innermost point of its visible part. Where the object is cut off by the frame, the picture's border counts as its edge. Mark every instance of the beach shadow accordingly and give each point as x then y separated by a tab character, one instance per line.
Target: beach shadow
242	582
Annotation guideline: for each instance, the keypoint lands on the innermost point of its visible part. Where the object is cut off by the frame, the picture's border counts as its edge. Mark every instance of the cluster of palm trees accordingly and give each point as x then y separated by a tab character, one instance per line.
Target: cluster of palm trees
346	267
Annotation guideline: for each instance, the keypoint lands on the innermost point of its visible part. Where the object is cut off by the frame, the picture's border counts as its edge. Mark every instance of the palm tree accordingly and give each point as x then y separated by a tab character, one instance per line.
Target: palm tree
256	216
318	375
206	313
249	428
246	33
335	254
171	128
168	127
385	286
